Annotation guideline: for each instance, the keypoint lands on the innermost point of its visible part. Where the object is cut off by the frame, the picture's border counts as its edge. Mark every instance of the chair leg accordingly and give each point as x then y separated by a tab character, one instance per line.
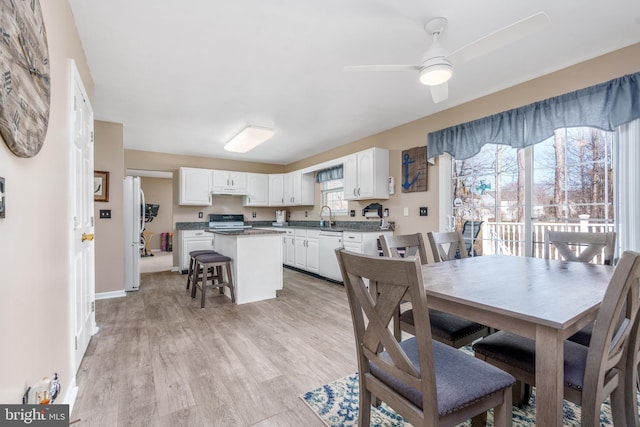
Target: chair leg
502	414
205	269
230	283
190	272
521	394
364	415
194	284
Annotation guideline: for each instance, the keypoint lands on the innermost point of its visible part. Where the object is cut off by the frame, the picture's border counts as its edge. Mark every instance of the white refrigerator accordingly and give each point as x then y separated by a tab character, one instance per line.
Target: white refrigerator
133	215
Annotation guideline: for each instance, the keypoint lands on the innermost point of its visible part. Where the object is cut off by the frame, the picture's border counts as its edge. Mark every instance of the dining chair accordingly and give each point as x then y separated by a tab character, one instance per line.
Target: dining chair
593	373
580	246
446	328
447	245
426	382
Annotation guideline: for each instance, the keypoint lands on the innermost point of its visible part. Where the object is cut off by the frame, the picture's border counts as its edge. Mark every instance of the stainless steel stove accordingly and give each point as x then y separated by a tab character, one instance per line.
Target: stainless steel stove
225	222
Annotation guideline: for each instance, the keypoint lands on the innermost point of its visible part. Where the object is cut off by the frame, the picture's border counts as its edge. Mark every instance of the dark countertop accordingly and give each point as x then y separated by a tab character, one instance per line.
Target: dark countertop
244	232
354	226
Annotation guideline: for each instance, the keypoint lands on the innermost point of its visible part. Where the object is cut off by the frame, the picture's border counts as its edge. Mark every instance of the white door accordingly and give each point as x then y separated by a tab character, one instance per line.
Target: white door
83	247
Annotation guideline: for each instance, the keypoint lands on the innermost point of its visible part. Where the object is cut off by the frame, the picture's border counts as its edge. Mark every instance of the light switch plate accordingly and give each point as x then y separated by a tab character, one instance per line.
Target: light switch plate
406	211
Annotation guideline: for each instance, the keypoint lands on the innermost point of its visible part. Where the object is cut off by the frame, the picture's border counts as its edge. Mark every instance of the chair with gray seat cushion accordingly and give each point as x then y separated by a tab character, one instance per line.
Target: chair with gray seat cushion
446	328
426	382
192	263
209	267
591	374
581	247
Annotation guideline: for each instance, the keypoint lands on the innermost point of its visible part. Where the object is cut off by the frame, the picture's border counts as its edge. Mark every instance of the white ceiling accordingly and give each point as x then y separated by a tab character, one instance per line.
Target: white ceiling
185	76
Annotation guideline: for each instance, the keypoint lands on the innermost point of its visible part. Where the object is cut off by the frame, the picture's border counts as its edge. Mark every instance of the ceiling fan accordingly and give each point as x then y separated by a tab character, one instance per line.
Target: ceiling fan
437	63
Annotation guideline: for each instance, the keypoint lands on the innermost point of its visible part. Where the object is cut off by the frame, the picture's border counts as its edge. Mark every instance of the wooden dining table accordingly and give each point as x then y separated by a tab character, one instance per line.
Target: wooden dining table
545	300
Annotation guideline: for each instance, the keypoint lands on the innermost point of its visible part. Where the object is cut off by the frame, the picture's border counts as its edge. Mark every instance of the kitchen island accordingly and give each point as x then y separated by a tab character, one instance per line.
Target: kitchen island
256	262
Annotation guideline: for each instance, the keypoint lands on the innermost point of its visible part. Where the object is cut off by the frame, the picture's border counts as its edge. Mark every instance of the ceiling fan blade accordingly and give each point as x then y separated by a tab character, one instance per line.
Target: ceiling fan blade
440	92
382	67
501	37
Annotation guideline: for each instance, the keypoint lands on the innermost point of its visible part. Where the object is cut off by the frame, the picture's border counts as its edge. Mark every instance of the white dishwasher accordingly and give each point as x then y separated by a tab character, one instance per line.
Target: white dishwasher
329	242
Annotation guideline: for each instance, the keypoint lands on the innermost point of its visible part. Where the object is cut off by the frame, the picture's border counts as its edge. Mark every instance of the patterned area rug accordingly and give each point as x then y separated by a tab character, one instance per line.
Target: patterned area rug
336	404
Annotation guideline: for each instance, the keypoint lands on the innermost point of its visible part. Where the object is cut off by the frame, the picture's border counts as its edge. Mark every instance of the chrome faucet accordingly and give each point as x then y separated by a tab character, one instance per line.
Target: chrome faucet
331	220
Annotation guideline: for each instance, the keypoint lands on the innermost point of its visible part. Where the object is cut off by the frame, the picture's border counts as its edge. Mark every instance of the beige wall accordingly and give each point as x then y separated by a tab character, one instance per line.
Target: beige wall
35	245
606	67
159	191
109	156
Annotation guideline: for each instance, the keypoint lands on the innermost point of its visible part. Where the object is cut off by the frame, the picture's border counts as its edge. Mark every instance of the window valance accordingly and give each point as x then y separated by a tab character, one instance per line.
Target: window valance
605	106
329	174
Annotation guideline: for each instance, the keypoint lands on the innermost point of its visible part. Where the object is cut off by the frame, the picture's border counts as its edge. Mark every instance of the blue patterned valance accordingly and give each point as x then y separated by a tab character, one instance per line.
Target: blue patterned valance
329	174
605	106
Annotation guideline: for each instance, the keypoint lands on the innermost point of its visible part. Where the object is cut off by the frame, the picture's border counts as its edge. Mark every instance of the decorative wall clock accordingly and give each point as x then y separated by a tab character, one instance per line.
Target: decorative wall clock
24	77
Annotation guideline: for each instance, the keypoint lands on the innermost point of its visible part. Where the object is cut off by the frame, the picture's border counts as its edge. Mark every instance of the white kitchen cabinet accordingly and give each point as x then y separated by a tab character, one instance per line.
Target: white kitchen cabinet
289	250
363	242
229	182
298	188
257	189
193	240
195	187
291	189
366	175
276	189
307	250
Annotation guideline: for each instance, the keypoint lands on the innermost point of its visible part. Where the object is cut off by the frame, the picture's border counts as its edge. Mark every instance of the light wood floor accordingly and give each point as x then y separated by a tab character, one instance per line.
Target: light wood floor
160	360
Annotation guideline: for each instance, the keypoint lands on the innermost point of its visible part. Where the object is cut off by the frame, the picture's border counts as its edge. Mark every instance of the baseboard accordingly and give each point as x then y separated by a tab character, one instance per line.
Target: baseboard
112	294
70	395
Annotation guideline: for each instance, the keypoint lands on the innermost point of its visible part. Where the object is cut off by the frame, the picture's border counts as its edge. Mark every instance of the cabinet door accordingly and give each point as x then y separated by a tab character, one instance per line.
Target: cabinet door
238	180
350	174
365	172
195	187
258	189
289	195
276	190
220	179
291	251
194	244
313	255
300	257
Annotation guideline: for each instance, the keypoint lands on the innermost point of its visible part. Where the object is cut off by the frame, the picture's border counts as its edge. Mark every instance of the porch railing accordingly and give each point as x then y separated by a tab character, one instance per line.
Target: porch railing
508	238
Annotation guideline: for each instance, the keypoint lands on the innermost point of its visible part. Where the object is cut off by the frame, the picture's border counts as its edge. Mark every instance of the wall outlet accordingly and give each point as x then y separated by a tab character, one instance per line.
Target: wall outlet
423	211
200	214
105	213
253	214
406	211
352	213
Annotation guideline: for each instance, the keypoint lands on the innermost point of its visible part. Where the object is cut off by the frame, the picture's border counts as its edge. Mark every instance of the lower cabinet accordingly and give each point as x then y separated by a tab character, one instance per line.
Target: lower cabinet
307	250
288	248
193	240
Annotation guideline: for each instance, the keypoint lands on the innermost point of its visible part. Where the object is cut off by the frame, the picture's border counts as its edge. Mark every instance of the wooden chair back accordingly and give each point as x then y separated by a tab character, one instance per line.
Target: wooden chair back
404	246
447	246
580	246
607	354
392	278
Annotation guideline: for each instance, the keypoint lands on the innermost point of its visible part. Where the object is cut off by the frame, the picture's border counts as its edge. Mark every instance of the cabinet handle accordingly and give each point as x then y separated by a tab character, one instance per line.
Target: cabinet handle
354	192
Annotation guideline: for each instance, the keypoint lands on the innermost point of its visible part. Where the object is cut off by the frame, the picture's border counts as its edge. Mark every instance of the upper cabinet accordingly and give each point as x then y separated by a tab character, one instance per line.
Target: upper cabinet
366	175
291	189
298	188
257	189
195	187
276	189
229	182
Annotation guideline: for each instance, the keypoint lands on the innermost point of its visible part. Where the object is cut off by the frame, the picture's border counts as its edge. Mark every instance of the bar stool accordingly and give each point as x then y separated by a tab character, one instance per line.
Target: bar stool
215	261
192	263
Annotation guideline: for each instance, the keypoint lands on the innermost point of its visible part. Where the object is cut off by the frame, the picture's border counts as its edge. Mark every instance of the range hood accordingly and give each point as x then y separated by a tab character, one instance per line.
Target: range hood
230	192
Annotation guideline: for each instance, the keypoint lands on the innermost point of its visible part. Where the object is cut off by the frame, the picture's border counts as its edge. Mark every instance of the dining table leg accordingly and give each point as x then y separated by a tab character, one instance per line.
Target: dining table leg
549	376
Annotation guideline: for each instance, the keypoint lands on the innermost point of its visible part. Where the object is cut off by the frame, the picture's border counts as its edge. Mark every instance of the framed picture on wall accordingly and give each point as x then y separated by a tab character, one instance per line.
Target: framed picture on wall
100	186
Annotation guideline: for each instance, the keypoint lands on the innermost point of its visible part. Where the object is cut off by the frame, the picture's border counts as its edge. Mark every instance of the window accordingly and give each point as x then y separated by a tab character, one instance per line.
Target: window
333	196
563	183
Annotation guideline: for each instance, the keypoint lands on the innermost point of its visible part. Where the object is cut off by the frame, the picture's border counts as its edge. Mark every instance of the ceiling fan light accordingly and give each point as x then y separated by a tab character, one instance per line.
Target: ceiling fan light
248	139
436	73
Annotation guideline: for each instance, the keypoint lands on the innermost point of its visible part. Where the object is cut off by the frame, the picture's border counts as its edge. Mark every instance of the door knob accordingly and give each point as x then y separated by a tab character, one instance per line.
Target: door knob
87	236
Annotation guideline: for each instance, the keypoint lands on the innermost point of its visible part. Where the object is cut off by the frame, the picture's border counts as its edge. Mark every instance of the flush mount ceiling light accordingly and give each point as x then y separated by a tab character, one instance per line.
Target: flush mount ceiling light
248	139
